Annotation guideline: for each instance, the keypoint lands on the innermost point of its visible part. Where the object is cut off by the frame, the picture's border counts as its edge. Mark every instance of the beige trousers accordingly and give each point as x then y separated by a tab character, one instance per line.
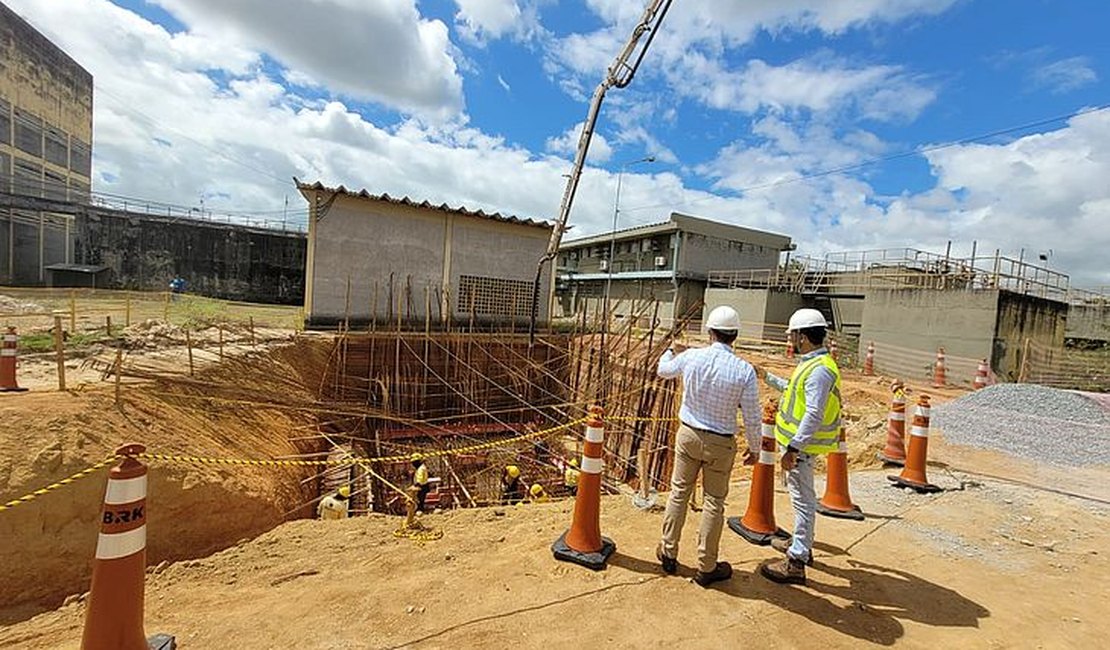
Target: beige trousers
712	455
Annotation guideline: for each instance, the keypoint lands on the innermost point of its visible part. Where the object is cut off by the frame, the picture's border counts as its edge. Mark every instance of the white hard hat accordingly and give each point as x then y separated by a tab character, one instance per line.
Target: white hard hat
806	318
723	318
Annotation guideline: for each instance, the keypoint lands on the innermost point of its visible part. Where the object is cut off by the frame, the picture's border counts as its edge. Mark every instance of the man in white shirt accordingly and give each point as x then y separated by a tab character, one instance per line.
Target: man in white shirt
715	382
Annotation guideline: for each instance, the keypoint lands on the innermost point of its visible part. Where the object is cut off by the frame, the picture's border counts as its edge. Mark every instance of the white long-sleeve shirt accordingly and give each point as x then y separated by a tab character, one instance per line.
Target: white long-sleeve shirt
714	383
818	386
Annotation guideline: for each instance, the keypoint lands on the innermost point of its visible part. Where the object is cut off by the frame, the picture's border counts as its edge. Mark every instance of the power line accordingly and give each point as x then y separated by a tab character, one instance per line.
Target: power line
873	161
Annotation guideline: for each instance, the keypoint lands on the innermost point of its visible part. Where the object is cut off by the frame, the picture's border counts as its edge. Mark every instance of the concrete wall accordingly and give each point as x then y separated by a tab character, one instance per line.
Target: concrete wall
217	260
1089	323
1022	317
922	320
751	303
400	257
701	254
780	306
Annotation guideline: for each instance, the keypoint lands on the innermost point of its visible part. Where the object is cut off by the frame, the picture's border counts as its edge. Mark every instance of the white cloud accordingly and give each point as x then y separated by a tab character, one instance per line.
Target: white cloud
383	50
567	145
479	20
1065	75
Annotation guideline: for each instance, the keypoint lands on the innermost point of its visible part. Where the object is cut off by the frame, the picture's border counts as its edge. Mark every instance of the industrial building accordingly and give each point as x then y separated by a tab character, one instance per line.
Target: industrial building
669	262
378	259
46	124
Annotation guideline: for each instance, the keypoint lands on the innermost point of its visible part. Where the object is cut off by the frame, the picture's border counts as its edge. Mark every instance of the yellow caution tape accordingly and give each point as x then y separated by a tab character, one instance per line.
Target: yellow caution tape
418	534
175	458
54	486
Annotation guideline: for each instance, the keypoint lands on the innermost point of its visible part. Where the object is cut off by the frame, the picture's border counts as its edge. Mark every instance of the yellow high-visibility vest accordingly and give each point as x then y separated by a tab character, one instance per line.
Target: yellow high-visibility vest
570	477
420	478
792	408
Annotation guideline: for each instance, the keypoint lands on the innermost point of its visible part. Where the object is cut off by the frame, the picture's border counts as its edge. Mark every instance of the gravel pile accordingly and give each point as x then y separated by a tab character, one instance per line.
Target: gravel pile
1035	422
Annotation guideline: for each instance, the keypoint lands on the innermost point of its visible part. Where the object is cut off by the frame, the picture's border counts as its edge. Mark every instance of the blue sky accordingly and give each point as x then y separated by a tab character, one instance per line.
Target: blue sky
750	107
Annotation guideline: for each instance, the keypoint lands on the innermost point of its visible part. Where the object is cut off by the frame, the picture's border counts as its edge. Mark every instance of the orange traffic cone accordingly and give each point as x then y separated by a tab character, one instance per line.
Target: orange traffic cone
834	350
869	361
939	379
114	617
981	375
789	350
913	474
758	524
8	354
583	543
895	451
837	502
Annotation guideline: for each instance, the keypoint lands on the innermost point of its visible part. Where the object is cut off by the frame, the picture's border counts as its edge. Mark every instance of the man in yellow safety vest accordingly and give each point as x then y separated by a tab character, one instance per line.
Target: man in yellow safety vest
807	425
334	506
421	484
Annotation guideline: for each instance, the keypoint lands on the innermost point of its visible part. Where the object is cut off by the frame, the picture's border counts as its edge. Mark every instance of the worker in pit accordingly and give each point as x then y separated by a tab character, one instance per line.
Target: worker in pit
807	425
421	484
570	477
334	506
512	489
715	382
537	494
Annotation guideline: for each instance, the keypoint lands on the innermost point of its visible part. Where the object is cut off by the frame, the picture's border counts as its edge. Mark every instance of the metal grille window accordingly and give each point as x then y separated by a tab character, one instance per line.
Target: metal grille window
27	177
5	122
80	157
5	172
54	185
494	296
78	191
57	147
28	133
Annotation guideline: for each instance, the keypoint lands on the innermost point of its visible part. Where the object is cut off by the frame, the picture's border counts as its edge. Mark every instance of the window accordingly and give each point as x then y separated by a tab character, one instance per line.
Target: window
57	147
28	133
80	157
27	177
496	297
5	122
78	190
54	185
5	172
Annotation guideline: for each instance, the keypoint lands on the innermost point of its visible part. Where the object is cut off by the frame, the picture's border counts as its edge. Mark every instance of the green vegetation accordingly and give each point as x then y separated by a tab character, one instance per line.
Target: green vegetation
44	341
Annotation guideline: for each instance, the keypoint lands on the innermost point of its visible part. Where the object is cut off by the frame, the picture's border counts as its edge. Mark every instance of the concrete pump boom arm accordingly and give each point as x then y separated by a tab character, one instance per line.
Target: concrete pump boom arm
620	74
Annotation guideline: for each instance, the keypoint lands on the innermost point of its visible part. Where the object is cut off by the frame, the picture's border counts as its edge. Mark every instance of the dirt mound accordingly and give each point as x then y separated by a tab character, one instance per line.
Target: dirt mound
152	333
197	509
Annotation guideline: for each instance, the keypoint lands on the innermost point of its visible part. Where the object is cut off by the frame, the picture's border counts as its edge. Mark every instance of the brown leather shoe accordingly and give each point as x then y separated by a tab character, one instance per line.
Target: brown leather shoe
723	571
781	545
787	571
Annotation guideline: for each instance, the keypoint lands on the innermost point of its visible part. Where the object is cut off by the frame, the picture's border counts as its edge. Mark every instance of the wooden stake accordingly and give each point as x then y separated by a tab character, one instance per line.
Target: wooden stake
59	348
166	308
72	312
189	345
119	371
108	324
221	330
127	316
252	330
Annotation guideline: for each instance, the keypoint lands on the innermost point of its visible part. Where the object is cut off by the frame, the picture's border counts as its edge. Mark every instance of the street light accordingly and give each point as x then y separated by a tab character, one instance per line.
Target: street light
613	233
612	249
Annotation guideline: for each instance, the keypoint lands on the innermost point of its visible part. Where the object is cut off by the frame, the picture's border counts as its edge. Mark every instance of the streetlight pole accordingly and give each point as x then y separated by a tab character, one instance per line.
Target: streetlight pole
609	264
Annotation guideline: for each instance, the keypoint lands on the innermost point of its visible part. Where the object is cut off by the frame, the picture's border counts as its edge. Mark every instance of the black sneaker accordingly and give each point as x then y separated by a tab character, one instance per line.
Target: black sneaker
670	564
723	571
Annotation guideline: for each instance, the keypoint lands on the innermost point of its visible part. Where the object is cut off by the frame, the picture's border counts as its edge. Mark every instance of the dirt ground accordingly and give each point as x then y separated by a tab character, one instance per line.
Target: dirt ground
1011	554
991	565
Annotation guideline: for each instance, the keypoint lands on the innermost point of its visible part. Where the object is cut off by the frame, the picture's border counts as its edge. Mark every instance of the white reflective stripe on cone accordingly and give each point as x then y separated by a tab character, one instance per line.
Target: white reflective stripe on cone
592	465
894	415
920	432
7	352
11	338
126	490
117	545
595	434
922	411
766	457
768	430
842	447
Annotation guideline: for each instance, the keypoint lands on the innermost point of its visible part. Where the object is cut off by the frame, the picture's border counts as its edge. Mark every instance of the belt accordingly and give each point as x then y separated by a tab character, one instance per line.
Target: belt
709	431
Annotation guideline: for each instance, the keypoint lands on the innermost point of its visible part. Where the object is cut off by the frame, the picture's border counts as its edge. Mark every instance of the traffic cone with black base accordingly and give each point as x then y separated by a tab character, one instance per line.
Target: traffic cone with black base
758	523
913	474
583	543
114	617
895	451
8	352
837	502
